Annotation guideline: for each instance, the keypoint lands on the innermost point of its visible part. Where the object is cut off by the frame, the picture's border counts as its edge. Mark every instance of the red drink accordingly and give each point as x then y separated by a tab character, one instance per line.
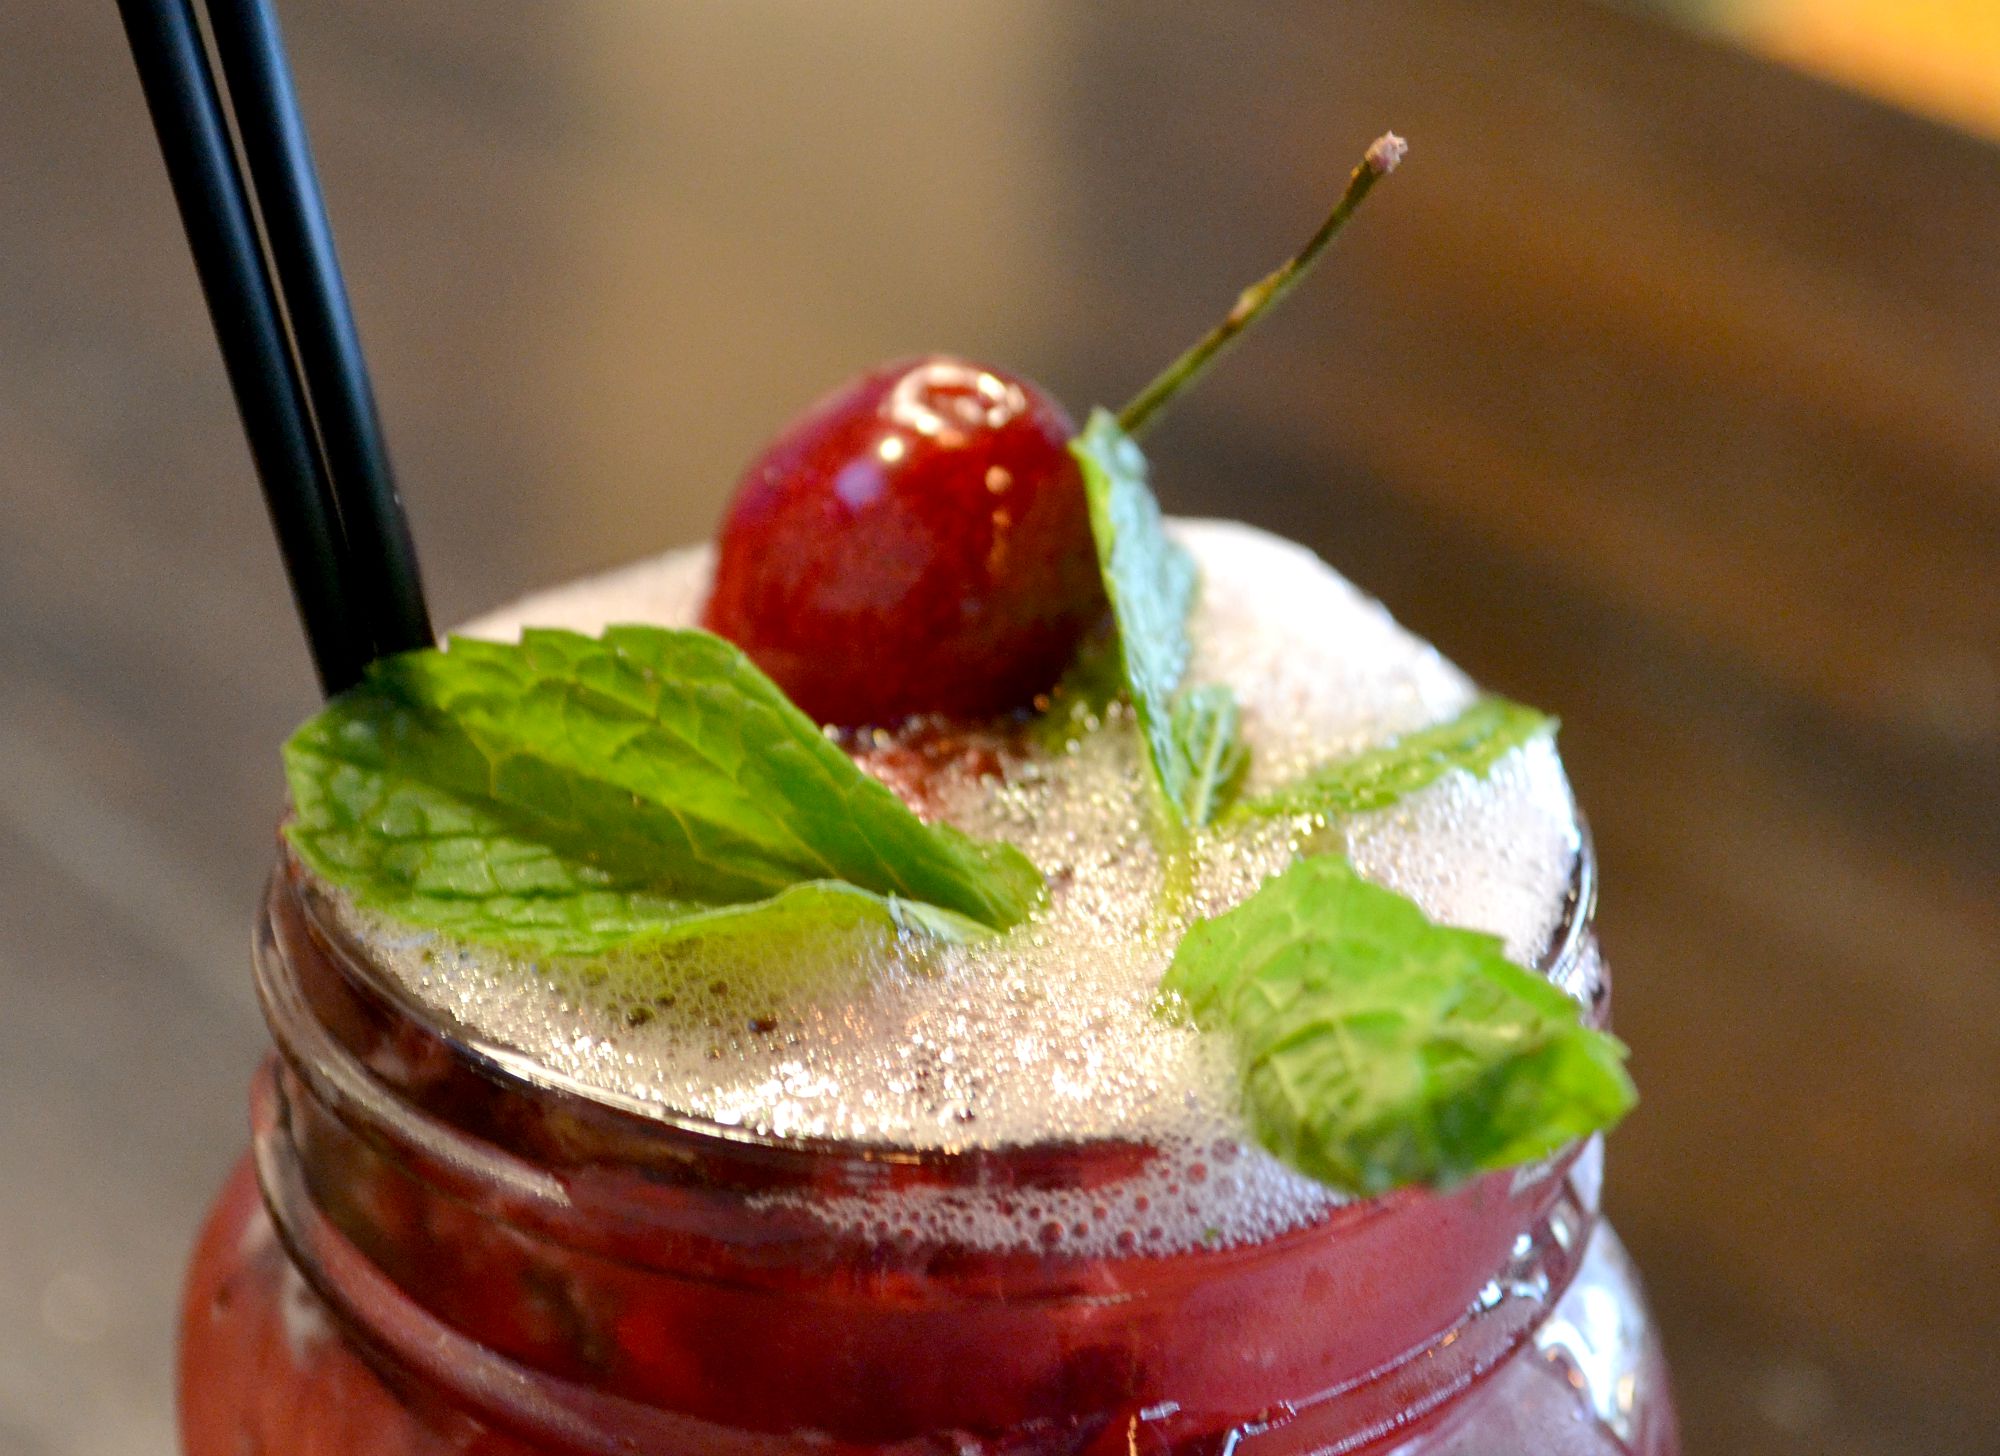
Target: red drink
988	1203
475	1260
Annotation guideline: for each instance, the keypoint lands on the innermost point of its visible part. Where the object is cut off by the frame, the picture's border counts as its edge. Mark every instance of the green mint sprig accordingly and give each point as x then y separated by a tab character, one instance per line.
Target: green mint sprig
1378	1048
1473	741
571	795
1191	745
1190	738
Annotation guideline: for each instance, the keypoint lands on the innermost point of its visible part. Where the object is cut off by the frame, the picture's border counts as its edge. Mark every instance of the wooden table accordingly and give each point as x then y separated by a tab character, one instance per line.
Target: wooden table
1659	389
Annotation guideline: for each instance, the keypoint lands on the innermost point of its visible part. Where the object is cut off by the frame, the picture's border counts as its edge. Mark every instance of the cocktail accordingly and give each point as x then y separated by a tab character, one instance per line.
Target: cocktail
881	1183
1000	1205
963	965
480	1258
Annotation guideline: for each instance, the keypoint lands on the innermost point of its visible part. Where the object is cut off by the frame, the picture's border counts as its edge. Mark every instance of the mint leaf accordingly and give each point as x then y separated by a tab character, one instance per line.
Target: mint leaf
1205	727
1378	1048
1474	741
572	795
1149	578
1151	582
815	907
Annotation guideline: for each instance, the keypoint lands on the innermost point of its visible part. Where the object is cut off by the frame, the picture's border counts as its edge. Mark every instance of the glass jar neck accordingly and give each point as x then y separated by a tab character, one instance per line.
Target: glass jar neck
598	1279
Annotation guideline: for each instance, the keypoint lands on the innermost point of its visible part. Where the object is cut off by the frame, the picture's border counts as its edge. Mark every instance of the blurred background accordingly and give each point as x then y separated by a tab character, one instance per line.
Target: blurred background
1661	388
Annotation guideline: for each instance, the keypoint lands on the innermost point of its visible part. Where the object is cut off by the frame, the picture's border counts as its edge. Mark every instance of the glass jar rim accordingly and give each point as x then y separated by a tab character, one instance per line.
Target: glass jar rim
313	1050
685	1201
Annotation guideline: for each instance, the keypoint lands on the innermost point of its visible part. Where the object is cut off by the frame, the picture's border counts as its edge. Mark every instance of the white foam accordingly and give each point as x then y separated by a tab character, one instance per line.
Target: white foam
1047	1034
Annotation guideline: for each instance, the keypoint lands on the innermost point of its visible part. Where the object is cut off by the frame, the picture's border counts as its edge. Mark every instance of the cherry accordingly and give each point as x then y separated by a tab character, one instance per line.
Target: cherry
918	542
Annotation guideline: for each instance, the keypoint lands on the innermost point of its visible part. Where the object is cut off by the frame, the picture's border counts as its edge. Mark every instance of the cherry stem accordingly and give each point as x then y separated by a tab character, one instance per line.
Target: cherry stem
1380	159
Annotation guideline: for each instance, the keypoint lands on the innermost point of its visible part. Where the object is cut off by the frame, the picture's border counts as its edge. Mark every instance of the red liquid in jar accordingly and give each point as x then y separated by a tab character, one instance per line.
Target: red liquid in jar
474	1263
459	1250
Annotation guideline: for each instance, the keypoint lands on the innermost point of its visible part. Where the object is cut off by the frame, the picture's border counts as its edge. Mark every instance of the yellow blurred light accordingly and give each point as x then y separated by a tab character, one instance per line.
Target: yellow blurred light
1941	57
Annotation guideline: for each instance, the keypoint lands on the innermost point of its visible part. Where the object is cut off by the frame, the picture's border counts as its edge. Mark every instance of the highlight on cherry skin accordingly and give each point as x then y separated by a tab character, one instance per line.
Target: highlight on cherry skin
917	542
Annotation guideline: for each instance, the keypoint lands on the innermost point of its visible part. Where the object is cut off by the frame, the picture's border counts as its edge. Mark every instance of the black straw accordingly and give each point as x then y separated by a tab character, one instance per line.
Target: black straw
187	114
309	415
385	587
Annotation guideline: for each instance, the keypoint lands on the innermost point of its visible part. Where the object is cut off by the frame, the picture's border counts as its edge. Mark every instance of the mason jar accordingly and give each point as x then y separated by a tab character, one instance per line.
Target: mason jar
439	1246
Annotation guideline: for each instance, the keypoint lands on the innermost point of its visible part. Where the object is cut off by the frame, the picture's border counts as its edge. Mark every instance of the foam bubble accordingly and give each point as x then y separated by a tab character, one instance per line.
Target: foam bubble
1047	1034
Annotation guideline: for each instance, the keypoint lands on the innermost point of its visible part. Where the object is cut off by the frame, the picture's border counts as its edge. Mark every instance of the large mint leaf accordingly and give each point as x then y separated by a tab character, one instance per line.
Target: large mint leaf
1151	581
1474	741
819	906
1378	1048
573	794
